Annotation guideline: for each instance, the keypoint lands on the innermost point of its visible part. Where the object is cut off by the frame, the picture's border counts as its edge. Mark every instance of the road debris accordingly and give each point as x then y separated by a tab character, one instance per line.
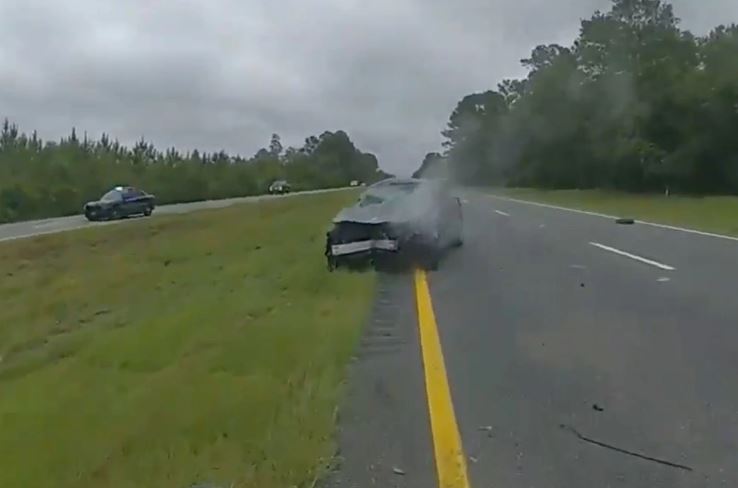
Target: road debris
398	471
581	437
597	408
487	429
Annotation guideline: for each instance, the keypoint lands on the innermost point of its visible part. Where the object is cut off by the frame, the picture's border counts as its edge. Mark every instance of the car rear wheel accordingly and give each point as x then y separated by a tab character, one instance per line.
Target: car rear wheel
148	211
458	240
458	229
431	260
431	253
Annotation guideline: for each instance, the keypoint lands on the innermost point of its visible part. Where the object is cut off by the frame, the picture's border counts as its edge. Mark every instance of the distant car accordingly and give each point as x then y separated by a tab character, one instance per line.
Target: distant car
354	183
279	187
120	202
415	217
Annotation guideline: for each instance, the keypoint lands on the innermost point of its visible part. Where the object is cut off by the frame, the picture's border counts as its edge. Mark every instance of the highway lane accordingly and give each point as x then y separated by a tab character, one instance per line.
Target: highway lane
545	334
22	230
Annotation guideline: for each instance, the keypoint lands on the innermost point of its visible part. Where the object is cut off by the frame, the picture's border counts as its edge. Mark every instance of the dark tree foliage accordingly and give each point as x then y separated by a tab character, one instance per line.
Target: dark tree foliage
45	179
433	166
636	104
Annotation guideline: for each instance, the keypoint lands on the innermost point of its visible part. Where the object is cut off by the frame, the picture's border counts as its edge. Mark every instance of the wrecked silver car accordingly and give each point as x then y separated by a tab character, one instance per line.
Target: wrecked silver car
418	219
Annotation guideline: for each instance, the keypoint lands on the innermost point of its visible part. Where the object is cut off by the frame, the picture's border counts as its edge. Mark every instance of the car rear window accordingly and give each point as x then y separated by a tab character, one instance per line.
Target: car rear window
387	192
111	196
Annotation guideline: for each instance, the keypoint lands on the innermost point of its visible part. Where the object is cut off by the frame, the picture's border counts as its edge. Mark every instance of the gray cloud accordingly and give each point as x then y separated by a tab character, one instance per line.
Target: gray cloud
228	73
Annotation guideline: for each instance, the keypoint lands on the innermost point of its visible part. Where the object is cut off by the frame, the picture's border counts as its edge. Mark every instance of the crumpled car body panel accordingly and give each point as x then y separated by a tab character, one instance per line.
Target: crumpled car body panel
392	217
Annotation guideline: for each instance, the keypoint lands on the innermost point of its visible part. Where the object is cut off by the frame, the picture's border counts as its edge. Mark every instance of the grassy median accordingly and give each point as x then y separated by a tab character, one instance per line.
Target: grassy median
206	348
711	214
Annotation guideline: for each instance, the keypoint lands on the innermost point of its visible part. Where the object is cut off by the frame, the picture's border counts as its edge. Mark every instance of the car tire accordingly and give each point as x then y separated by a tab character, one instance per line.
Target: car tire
431	256
431	261
459	239
114	214
148	211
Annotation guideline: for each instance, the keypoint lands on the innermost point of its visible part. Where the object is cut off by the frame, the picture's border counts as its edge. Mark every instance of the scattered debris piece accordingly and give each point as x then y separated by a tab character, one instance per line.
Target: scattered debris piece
473	459
663	279
625	221
581	285
576	433
488	430
597	408
398	471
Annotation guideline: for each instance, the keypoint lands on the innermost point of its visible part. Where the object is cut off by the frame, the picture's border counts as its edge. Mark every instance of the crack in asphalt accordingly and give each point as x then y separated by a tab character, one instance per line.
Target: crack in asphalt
589	440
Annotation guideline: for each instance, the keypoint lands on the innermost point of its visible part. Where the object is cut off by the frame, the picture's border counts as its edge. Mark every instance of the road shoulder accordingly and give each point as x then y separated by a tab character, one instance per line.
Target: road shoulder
384	437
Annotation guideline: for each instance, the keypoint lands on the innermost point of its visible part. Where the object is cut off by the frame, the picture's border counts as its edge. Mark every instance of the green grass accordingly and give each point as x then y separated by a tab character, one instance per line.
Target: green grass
711	214
201	348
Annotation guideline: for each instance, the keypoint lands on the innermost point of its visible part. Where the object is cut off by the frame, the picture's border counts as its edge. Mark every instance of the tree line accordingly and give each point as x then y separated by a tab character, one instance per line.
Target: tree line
635	103
47	178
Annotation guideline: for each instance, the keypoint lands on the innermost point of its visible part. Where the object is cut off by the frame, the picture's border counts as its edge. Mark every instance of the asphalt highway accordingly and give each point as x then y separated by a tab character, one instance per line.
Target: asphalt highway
21	230
579	353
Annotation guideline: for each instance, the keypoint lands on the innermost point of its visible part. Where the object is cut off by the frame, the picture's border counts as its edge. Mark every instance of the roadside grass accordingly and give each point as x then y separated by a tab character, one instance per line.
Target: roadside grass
204	348
710	214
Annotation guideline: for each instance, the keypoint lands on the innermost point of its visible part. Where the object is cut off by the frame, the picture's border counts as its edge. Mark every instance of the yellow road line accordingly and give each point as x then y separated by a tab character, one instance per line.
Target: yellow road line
450	459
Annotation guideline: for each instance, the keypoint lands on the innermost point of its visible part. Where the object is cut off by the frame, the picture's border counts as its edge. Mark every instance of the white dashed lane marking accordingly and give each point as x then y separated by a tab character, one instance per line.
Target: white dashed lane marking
635	257
597	214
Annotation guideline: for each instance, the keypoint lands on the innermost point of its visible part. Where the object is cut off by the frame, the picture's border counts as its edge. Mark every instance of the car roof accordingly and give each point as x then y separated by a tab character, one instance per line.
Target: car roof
418	182
398	181
395	187
124	189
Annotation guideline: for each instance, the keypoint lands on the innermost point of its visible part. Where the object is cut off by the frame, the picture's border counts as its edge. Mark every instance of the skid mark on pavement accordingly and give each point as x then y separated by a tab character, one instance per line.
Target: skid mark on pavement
449	453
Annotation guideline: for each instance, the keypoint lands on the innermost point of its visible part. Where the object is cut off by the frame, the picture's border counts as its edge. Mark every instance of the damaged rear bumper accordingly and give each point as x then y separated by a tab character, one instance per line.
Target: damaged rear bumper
356	247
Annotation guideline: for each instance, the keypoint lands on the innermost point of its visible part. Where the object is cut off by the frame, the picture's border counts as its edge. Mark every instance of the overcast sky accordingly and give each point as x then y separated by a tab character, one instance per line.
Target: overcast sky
214	74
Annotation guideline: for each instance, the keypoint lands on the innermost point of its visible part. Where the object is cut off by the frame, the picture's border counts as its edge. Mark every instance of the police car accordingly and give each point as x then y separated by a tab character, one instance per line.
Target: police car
120	202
